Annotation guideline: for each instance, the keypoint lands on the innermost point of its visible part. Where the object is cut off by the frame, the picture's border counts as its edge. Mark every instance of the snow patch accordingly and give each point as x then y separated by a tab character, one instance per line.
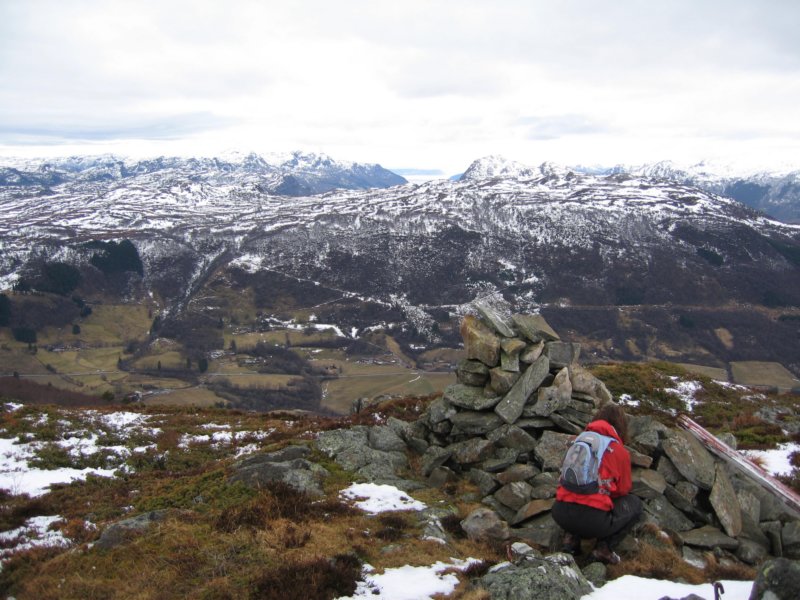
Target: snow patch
374	498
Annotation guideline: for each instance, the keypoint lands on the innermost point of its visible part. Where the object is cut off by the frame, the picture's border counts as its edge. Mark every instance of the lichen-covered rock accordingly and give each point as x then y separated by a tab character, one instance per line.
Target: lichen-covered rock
511	406
472	422
472	372
261	469
509	362
777	579
502	380
440	410
383	437
471	451
511	436
689	457
480	342
551	450
332	442
434	456
555	577
469	397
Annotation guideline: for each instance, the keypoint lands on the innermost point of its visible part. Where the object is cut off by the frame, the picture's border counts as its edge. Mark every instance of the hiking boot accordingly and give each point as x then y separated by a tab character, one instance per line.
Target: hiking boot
604	554
572	544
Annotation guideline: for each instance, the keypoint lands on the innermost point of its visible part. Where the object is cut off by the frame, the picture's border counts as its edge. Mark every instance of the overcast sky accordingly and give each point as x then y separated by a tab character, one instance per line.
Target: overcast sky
409	84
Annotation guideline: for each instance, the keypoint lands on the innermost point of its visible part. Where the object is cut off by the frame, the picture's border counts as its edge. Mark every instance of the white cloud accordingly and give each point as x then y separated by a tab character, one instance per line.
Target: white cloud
430	84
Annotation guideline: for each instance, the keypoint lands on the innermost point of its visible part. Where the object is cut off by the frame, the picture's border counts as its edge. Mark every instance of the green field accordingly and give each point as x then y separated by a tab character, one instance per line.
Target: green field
768	374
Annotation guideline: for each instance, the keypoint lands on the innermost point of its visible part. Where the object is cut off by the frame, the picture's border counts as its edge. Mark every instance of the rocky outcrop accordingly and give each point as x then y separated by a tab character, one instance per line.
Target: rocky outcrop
288	465
520	399
377	453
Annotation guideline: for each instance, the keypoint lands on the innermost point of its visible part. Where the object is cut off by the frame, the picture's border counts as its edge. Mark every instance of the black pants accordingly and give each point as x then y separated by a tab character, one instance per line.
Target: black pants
609	526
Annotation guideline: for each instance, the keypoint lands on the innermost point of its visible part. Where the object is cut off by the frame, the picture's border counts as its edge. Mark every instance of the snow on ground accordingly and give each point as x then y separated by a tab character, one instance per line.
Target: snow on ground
628	400
685	390
18	477
34	534
410	583
631	587
776	461
222	438
374	498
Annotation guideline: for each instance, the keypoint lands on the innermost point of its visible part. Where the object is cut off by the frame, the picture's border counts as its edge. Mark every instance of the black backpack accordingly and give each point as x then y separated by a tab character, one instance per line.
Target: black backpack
579	471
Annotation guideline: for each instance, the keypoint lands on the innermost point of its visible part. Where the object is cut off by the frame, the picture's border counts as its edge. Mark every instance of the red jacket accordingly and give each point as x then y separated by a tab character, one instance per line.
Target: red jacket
615	468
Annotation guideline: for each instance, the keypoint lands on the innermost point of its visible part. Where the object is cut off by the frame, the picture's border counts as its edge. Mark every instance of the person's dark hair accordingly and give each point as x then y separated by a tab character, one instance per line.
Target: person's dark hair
615	415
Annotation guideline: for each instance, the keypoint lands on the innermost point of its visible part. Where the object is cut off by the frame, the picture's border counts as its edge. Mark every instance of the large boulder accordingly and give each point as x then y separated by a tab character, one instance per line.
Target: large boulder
285	466
555	577
777	579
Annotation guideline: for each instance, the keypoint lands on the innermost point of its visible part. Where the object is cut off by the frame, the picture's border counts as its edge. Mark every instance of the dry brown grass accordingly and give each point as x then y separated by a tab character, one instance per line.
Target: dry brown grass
663	562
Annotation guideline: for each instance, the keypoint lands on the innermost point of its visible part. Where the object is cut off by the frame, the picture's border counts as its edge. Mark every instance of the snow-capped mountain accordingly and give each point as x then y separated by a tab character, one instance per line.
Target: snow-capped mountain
291	174
496	166
775	192
570	243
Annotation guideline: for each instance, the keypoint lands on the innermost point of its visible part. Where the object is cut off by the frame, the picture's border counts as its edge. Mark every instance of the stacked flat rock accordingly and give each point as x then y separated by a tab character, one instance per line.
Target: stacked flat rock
520	399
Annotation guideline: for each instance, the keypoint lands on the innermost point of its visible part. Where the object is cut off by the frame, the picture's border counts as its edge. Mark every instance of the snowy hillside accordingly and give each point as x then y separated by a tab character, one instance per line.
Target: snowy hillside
775	191
545	237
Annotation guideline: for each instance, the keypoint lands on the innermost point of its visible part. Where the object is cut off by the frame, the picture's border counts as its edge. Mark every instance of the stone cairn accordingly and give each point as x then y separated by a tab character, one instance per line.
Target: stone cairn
520	399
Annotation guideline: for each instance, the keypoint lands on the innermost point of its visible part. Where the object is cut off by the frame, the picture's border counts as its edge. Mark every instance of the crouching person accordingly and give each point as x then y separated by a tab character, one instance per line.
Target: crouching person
593	500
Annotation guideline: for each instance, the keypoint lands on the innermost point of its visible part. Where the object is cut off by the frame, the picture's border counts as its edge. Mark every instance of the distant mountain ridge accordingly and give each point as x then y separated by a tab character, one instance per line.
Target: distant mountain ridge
775	192
574	245
293	174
